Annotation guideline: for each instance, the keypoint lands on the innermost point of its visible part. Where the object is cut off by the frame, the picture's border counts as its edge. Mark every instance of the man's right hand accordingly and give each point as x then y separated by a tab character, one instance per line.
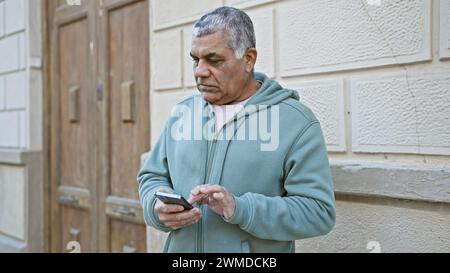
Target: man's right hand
175	216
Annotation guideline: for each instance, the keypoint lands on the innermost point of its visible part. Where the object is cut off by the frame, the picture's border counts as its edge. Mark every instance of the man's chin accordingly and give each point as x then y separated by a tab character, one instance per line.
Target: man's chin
209	97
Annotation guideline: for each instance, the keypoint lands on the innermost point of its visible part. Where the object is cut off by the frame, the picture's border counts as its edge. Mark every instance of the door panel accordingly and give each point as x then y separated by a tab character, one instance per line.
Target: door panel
128	96
74	104
76	227
127	237
125	68
62	3
72	128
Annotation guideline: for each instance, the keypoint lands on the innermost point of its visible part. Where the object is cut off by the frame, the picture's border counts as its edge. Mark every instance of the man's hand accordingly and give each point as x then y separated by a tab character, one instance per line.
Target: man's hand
219	199
174	216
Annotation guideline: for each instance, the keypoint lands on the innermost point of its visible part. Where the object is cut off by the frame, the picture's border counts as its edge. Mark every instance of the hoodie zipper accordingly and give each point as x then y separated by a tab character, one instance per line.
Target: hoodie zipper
210	159
208	170
210	155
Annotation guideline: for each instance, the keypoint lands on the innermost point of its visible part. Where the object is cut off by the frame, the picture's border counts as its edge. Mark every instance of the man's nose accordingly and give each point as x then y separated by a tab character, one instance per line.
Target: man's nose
201	70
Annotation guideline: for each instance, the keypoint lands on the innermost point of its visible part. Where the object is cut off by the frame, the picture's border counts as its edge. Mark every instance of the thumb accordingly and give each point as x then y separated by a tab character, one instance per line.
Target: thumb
164	190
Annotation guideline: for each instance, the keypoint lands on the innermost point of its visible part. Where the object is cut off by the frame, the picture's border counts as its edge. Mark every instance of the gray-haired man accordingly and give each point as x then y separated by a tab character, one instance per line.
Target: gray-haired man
251	200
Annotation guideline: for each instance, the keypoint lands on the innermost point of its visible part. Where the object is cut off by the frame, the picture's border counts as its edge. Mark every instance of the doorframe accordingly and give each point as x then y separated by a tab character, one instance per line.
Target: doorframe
46	114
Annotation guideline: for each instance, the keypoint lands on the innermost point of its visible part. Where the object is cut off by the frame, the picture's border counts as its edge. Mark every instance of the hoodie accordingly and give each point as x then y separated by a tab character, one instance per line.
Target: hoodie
271	156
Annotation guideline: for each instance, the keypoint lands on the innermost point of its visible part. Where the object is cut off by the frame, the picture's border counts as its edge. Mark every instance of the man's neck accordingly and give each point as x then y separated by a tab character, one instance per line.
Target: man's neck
251	89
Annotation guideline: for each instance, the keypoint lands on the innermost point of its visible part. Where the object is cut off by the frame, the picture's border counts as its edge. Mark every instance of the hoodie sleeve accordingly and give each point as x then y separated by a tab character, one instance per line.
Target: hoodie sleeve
154	175
307	209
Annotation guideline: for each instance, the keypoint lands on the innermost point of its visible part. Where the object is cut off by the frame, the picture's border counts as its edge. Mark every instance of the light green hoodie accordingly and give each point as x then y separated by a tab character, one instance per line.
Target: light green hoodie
283	191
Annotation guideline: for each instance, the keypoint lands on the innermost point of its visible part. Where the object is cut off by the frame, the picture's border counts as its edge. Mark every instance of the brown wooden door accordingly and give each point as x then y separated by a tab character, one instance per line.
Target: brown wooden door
125	135
99	77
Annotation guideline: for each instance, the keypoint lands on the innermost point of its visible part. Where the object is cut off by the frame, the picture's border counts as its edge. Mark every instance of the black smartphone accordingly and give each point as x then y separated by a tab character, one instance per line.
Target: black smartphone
173	199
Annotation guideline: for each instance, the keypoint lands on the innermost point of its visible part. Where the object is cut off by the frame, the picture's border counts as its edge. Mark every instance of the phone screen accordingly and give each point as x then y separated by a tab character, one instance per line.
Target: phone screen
174	199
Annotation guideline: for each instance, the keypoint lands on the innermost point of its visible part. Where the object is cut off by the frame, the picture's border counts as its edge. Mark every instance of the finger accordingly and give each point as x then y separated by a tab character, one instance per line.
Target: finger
194	195
199	198
179	226
193	198
165	208
219	199
158	206
218	196
210	189
182	216
184	223
196	190
212	202
164	190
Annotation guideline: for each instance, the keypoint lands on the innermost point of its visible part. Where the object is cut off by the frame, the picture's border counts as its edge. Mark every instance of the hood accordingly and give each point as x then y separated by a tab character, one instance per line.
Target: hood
270	92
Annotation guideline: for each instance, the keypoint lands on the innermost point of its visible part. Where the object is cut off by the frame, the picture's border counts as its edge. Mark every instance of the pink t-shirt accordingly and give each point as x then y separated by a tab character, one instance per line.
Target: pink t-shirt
225	113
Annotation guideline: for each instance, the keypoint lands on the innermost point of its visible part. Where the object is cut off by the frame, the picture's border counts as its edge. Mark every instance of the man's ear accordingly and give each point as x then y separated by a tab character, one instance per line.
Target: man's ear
250	59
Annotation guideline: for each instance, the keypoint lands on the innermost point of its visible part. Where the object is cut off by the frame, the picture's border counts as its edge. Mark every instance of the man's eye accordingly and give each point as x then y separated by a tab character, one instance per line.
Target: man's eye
214	61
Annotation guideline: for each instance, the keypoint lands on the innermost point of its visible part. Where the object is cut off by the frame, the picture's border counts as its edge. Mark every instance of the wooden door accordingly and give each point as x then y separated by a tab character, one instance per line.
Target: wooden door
73	126
125	132
99	115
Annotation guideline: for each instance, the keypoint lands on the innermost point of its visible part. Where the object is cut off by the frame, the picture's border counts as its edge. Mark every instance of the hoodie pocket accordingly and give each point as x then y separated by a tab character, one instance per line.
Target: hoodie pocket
245	246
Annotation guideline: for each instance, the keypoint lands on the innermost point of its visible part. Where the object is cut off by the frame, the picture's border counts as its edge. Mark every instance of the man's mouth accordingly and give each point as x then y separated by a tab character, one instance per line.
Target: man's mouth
206	88
206	85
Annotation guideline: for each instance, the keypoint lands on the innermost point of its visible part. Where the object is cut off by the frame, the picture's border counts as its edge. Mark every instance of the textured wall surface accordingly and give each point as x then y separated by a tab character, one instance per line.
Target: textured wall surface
12	211
445	28
162	110
171	12
166	65
327	35
402	113
21	181
263	21
376	75
326	100
246	3
13	95
188	74
394	225
20	74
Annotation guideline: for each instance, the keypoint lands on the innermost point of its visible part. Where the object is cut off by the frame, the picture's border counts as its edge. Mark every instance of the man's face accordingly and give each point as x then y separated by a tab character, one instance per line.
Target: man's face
220	76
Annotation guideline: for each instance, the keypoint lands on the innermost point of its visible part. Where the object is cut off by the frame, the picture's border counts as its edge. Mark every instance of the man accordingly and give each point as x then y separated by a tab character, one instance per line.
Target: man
249	199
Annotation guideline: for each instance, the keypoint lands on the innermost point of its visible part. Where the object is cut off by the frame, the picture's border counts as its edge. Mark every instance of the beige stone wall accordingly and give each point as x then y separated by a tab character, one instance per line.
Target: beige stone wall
21	183
392	225
20	74
375	72
12	201
13	98
377	75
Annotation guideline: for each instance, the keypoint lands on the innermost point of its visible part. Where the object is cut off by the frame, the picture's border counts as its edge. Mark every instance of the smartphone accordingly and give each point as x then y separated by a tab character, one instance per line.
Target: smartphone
173	199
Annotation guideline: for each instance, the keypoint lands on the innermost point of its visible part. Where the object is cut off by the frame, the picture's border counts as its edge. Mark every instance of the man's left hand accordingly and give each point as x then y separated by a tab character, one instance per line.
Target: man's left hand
218	198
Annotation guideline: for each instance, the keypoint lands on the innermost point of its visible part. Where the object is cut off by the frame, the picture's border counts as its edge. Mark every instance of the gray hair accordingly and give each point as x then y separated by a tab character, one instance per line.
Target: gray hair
236	23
